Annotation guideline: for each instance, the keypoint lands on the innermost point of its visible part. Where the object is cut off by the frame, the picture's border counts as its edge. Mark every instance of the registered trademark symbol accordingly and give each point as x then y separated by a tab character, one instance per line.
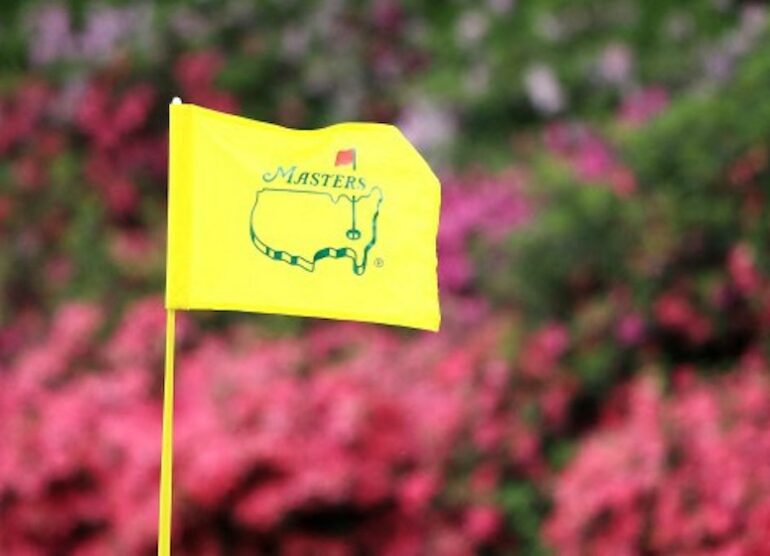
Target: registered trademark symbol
378	262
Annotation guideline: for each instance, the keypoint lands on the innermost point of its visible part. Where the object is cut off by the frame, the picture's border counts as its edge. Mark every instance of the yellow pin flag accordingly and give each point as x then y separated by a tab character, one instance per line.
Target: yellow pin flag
338	223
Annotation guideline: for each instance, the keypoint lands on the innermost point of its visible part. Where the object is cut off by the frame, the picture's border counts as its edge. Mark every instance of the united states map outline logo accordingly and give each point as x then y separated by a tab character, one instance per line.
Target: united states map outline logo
347	246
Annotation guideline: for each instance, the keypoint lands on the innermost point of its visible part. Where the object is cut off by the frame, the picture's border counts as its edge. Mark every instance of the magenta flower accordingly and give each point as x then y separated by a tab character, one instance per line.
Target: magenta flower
630	329
641	106
742	269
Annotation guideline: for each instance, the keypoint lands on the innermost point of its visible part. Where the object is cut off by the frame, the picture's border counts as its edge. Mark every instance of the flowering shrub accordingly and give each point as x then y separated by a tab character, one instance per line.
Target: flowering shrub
678	289
599	384
352	440
681	474
476	207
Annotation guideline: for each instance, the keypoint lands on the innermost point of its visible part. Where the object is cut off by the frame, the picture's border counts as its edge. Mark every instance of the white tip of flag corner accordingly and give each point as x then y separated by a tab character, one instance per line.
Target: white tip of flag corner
176	100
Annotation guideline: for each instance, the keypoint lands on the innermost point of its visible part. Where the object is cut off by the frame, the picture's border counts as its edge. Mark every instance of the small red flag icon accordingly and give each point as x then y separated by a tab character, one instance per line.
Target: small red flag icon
345	157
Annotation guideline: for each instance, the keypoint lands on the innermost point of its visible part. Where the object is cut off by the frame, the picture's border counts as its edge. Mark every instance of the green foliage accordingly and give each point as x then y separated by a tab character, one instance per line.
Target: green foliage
569	250
686	212
523	506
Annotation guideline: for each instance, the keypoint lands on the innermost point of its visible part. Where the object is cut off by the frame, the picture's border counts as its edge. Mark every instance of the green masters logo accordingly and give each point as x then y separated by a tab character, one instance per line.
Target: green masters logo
334	216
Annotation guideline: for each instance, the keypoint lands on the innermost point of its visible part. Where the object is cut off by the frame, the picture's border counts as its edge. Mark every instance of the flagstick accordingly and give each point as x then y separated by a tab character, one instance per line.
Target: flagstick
167	447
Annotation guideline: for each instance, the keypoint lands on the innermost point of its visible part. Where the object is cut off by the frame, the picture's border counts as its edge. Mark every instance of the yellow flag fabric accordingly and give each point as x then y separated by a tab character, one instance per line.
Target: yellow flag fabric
338	222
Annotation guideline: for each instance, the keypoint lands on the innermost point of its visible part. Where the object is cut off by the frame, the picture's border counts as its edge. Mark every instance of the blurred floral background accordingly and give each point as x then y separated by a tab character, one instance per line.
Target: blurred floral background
601	383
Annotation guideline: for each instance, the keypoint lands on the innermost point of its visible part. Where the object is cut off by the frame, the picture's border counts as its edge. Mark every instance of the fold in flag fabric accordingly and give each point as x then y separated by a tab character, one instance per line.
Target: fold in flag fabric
274	220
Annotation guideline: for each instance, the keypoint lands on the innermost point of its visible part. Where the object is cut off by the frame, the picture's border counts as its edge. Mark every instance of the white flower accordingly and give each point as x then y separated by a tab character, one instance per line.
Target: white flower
428	125
545	92
615	64
471	27
501	6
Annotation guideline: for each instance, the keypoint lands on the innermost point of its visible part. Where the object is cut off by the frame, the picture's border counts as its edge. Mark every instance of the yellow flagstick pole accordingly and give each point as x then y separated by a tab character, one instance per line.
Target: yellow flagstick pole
167	447
167	442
